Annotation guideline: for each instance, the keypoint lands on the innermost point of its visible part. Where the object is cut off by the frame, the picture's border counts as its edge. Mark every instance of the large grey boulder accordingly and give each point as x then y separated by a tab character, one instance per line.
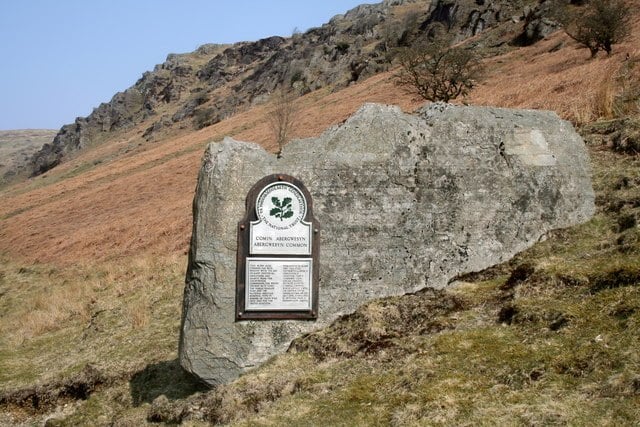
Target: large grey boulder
405	202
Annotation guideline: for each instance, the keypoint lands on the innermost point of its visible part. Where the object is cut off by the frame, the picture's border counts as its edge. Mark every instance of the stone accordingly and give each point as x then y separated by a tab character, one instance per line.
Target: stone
538	23
405	202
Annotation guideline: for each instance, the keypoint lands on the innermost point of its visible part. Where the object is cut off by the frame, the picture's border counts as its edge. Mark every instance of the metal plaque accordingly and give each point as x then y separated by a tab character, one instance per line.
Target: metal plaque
278	284
278	250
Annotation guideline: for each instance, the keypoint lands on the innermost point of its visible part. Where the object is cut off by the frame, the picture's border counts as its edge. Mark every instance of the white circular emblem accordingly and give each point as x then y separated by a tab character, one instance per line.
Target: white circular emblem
281	205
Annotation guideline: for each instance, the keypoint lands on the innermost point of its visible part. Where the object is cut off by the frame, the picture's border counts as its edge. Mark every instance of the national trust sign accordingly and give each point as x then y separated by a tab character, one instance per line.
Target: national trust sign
278	252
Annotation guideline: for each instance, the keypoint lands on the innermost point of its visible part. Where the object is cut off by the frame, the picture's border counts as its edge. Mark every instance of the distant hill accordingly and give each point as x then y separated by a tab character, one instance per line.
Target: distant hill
16	149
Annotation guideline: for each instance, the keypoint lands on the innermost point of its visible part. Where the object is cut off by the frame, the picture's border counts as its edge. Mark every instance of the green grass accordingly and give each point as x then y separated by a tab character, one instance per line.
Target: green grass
585	373
55	321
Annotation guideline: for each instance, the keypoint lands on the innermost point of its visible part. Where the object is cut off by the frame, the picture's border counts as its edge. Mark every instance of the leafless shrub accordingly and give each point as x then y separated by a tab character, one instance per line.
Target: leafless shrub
598	25
282	115
437	72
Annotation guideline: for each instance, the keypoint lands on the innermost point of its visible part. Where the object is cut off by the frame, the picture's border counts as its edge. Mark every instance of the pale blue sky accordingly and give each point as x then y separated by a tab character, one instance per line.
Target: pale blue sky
62	58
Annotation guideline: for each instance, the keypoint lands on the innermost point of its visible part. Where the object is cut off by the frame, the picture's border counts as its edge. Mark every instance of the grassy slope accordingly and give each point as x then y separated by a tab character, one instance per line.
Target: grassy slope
93	257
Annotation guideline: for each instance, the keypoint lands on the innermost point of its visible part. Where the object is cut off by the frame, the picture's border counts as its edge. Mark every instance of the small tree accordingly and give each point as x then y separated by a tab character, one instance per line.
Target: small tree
437	72
282	115
600	25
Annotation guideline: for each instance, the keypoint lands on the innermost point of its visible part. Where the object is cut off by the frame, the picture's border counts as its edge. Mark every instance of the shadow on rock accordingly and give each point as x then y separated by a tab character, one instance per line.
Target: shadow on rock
164	378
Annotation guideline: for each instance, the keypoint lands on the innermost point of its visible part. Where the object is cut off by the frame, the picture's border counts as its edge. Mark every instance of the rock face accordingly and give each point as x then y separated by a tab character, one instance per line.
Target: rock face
405	202
539	22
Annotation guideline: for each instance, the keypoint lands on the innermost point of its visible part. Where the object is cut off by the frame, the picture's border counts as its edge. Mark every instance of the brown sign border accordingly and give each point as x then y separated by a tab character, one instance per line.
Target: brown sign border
243	254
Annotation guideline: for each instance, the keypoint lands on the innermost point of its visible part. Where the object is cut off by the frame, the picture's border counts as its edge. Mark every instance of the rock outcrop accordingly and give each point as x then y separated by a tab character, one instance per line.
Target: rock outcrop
201	88
404	201
539	22
167	84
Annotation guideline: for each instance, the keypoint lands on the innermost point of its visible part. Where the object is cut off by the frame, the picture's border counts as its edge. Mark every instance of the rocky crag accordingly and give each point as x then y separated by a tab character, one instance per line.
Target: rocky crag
404	202
198	89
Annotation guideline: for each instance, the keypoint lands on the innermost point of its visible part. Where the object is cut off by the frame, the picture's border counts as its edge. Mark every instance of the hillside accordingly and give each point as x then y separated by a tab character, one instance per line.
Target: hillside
201	88
93	252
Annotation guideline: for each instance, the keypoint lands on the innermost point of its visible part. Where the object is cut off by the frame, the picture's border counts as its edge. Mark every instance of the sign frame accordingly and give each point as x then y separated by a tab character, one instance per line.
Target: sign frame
244	252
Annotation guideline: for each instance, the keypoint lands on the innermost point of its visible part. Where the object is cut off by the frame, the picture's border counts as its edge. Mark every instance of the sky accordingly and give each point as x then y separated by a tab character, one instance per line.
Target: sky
62	58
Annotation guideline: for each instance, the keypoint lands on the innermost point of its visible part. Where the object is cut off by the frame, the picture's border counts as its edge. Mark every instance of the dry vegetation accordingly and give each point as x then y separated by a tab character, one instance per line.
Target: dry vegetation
92	258
556	75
